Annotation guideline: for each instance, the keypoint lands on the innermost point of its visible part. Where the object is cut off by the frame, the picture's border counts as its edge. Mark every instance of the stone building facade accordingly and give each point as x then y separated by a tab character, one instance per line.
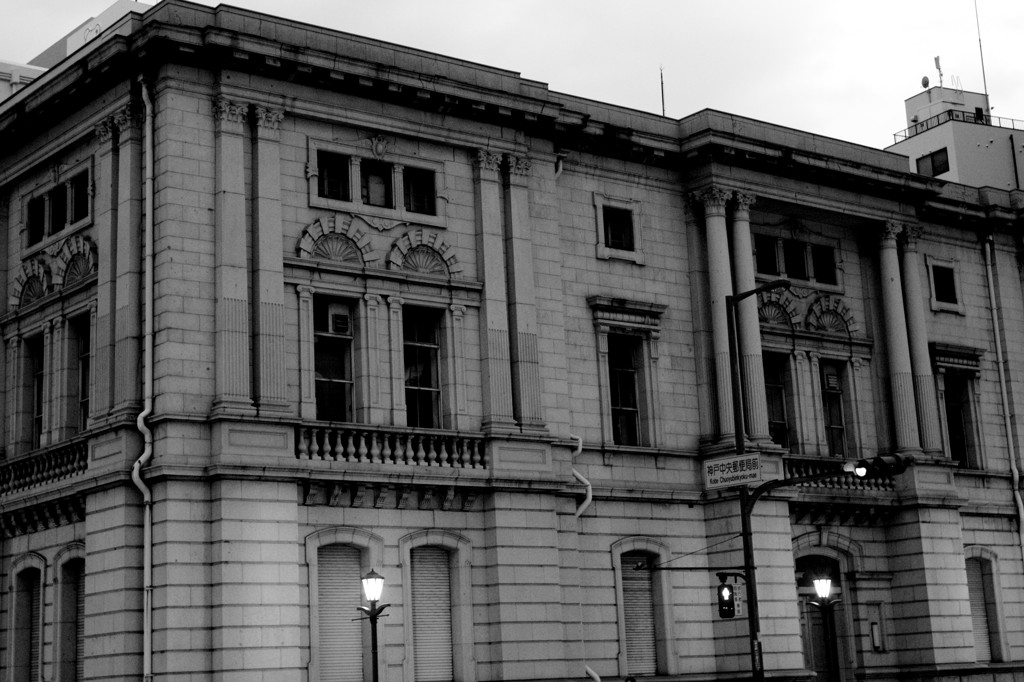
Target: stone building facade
282	305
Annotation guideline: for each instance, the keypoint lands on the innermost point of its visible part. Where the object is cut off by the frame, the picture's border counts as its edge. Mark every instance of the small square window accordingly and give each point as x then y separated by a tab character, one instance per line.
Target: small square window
934	164
618	228
332	175
375	183
419	189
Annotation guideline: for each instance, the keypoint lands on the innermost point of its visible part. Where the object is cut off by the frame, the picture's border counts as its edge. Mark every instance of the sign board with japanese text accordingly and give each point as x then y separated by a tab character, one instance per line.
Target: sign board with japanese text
732	470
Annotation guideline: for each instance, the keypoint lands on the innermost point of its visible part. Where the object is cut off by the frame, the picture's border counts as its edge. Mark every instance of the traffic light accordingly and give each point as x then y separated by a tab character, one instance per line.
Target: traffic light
881	466
726	601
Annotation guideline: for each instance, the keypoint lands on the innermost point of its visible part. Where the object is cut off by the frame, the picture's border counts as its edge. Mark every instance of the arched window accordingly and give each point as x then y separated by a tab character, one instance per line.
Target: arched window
26	638
646	638
432	613
982	593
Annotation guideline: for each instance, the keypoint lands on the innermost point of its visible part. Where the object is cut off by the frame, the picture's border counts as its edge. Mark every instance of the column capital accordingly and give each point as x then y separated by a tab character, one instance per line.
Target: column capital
487	160
891	231
911	234
743	200
305	291
227	111
518	165
267	120
713	199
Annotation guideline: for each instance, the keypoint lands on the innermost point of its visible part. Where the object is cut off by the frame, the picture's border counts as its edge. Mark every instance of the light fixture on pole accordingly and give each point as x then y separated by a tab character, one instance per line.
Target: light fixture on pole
746	503
373	586
826	604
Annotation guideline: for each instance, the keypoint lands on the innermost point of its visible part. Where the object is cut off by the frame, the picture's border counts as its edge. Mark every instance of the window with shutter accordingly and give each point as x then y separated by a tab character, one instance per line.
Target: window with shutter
638	607
27	619
432	614
70	631
341	634
979	591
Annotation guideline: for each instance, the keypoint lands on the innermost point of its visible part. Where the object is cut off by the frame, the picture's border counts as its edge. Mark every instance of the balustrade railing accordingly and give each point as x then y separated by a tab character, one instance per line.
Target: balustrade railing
393	446
797	467
44	466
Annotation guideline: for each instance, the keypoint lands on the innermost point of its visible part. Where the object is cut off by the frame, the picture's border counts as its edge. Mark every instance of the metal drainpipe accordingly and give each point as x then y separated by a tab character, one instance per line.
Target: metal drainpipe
579	511
989	249
147	396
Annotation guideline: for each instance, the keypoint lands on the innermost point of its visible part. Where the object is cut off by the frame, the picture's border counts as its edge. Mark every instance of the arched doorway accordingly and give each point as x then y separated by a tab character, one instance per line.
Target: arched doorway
822	621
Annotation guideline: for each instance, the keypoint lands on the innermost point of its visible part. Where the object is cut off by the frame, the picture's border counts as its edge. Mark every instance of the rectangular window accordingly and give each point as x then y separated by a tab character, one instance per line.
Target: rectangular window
340	636
419	189
823	260
70	629
332	175
78	201
618	228
832	407
332	349
35	372
794	253
422	351
767	260
81	360
944	283
981	594
959	417
35	220
57	198
623	380
775	393
375	183
934	164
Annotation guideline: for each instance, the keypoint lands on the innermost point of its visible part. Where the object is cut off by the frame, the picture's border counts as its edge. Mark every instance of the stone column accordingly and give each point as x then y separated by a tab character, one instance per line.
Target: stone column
231	285
719	286
267	264
495	365
748	327
920	360
900	372
522	311
105	212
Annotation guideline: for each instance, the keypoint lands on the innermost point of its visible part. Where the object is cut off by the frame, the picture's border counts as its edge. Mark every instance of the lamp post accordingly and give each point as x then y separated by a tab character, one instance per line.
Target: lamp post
826	605
373	585
746	503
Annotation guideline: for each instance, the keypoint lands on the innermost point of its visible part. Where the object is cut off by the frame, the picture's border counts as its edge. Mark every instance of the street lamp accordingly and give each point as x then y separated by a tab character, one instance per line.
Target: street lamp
373	586
753	624
826	605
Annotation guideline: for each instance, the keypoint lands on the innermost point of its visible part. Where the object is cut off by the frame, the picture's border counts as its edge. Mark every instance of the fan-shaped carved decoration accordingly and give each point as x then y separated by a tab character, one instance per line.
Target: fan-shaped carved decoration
335	238
32	290
73	261
430	242
831	314
425	260
336	247
774	313
31	283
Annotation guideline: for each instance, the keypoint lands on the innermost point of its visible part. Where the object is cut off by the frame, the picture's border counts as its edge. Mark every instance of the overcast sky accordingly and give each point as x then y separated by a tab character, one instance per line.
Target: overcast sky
841	69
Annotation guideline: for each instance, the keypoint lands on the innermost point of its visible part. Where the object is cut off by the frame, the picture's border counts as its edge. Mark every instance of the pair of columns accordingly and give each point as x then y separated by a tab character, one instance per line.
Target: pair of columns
725	276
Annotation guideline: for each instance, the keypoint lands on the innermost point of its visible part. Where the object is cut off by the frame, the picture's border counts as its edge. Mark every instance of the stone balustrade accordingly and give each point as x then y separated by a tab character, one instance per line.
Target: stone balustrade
44	466
796	467
391	446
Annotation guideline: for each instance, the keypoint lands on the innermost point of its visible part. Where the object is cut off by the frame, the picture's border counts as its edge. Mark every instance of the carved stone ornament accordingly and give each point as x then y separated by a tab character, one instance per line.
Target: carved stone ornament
743	200
713	199
488	160
33	282
126	117
269	119
777	308
104	130
518	165
226	110
74	260
379	146
912	233
831	314
336	238
406	254
382	224
891	230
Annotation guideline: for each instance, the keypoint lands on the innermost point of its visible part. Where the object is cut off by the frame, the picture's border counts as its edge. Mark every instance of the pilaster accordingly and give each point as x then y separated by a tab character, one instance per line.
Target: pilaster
495	363
105	213
233	373
267	266
399	416
374	338
307	370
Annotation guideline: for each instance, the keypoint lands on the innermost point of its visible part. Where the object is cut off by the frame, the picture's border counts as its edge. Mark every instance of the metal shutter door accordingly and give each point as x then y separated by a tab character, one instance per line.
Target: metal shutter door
80	623
341	637
979	610
34	653
638	607
432	614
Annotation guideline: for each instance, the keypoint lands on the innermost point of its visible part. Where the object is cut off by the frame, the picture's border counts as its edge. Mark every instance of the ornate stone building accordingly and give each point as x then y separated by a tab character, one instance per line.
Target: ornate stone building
282	305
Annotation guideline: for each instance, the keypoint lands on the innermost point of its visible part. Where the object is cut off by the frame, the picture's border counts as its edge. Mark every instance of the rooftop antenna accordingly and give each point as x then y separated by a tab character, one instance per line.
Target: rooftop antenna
984	82
938	65
661	70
